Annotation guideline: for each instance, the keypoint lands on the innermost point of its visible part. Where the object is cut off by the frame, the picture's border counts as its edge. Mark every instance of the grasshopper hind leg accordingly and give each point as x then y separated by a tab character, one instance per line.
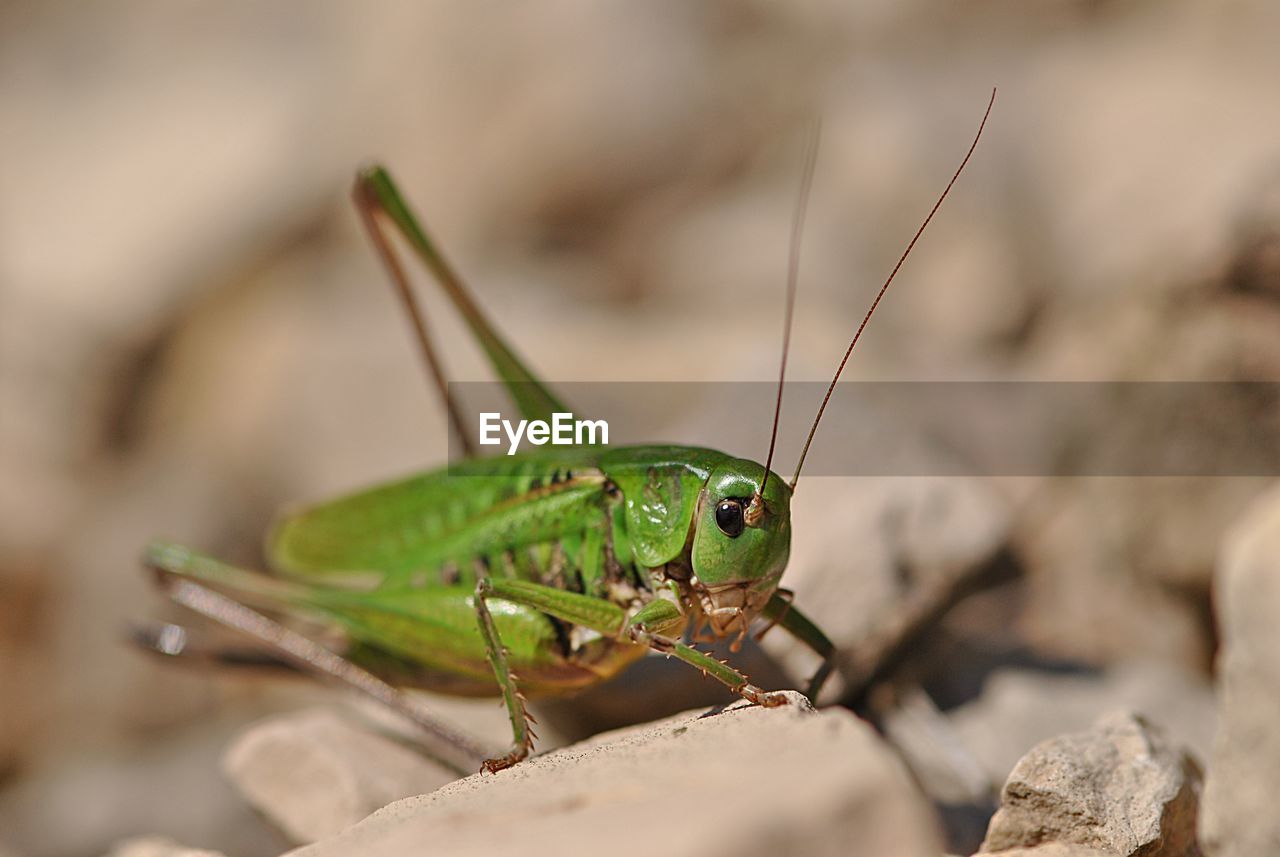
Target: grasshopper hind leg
171	640
187	577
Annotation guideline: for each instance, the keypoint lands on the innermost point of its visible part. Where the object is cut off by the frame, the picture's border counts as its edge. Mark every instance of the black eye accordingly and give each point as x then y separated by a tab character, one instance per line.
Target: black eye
729	518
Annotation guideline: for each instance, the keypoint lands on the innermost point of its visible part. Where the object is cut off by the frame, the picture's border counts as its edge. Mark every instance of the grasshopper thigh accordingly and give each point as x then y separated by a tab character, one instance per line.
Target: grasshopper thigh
433	634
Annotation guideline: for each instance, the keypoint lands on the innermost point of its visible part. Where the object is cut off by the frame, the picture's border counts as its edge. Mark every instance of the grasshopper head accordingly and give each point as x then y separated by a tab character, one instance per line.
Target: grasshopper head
740	547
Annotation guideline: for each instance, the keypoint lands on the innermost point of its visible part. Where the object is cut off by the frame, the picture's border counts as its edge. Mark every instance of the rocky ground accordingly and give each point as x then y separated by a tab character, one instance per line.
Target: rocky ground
193	333
746	780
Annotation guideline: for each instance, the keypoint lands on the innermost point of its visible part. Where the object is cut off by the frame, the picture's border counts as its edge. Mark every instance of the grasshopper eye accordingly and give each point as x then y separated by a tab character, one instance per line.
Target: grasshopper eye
729	518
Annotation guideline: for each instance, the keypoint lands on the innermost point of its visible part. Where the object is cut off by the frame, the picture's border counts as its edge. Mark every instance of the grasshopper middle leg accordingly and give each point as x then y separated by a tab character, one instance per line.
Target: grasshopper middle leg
648	627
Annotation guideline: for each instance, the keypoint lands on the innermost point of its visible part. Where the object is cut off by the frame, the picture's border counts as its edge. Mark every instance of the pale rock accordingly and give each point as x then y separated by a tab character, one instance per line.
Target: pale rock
745	781
926	739
1240	818
1119	787
315	772
1055	849
1019	708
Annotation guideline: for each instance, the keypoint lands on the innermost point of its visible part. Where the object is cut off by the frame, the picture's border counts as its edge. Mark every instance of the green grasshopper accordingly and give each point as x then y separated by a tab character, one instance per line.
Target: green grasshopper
552	572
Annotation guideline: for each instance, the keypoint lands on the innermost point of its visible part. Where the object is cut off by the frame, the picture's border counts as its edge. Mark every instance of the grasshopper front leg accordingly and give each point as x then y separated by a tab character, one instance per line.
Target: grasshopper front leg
646	628
649	627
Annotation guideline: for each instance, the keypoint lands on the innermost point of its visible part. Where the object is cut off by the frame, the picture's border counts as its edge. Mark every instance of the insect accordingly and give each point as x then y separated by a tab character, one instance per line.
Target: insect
551	570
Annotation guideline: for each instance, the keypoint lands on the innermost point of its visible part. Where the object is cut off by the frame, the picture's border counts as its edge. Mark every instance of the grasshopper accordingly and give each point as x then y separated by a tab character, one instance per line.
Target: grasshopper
554	571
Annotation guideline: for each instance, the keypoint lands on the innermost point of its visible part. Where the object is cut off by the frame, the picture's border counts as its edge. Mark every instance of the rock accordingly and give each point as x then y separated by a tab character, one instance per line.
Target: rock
1019	708
157	846
945	768
747	780
1244	778
1118	787
315	772
1055	849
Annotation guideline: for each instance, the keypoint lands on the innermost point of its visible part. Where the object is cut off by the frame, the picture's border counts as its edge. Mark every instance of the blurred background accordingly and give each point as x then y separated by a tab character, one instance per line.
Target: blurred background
194	332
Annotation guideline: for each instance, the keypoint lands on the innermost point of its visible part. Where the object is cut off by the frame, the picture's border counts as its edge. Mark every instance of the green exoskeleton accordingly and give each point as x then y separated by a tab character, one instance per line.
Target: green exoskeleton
546	572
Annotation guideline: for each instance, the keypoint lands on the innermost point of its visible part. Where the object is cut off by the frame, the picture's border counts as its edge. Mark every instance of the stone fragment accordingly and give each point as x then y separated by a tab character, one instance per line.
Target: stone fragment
1019	708
315	772
1055	849
1243	781
927	741
1118	787
745	781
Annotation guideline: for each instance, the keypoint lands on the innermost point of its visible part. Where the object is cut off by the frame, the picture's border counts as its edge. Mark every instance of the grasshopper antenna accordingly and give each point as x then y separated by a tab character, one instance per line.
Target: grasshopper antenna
866	318
370	206
755	509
